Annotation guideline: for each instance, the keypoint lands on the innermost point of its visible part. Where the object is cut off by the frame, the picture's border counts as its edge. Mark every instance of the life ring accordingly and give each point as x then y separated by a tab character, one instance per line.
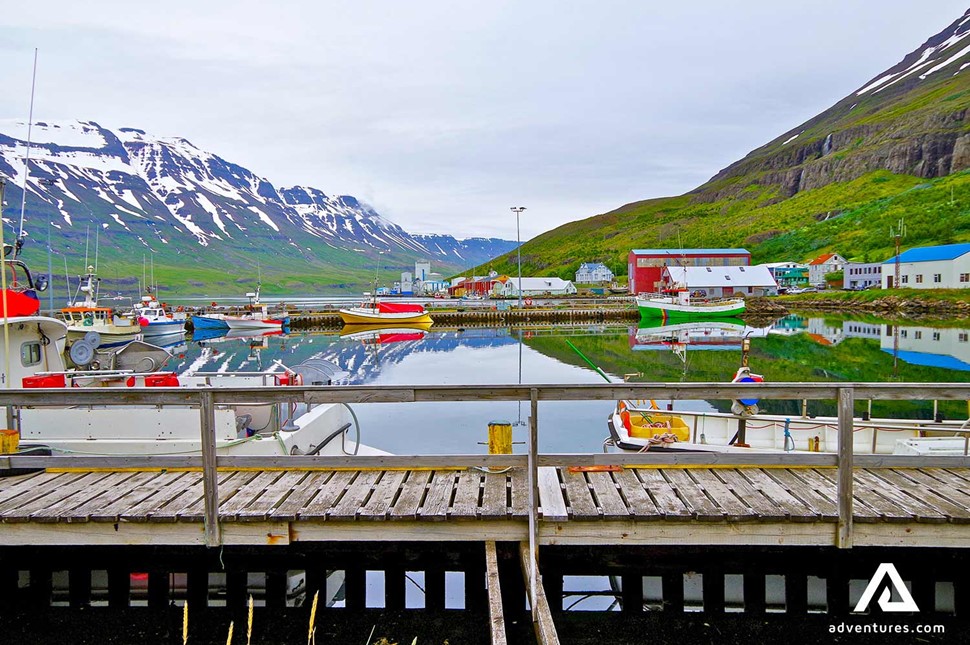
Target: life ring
528	302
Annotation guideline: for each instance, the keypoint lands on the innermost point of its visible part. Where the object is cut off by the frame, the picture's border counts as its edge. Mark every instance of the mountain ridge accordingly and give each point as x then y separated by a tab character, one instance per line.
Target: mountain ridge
191	209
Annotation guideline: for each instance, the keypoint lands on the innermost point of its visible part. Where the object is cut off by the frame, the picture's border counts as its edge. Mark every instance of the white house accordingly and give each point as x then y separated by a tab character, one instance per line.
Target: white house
538	287
715	282
593	272
930	267
823	264
858	275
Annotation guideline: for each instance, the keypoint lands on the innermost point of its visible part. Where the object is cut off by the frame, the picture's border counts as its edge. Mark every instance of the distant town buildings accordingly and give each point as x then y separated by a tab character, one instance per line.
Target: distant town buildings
593	273
645	266
823	265
930	267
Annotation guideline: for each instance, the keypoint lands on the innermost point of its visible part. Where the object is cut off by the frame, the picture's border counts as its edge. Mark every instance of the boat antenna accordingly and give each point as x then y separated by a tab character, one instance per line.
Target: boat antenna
87	240
50	270
67	281
23	196
97	240
3	286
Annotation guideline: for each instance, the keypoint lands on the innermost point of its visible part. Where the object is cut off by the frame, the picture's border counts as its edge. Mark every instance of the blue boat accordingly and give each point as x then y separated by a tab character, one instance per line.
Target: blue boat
211	321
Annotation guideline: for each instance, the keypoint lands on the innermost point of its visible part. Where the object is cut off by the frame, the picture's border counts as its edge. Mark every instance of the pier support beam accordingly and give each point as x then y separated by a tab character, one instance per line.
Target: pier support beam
541	614
843	538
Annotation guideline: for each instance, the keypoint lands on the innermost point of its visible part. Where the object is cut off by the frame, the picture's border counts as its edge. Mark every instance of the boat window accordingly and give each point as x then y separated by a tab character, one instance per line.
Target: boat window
30	353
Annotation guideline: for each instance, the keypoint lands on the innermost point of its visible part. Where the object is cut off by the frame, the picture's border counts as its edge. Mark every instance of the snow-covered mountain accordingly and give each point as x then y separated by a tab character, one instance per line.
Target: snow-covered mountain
165	195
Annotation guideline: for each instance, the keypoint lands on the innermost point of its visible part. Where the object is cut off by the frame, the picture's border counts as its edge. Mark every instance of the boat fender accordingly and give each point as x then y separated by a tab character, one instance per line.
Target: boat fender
625	417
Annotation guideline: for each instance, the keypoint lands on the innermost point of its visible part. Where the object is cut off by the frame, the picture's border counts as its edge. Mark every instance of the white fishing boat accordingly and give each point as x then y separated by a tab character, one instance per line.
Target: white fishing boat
385	314
84	316
635	426
155	321
255	427
256	316
677	304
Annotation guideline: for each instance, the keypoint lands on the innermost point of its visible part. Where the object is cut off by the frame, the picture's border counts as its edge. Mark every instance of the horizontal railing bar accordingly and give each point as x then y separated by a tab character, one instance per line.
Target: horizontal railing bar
420	462
447	393
247	462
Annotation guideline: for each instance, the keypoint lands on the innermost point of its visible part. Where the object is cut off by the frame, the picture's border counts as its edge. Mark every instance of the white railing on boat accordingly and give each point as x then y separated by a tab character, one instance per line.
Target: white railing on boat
207	398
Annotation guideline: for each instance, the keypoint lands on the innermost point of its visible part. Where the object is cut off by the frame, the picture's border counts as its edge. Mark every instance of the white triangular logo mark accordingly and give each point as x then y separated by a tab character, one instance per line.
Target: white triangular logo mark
905	602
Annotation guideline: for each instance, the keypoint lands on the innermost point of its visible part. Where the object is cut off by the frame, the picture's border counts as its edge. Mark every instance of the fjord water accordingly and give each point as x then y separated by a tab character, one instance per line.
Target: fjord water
794	348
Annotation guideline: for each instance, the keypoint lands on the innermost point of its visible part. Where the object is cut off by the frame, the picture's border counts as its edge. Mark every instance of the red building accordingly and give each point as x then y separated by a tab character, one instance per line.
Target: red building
644	266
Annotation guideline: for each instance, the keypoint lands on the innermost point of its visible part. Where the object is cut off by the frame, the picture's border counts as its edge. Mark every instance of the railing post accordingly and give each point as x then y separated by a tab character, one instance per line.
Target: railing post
843	539
533	496
210	476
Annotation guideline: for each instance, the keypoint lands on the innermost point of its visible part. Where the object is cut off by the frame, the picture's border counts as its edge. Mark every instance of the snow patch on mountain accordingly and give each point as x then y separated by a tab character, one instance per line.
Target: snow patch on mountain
81	171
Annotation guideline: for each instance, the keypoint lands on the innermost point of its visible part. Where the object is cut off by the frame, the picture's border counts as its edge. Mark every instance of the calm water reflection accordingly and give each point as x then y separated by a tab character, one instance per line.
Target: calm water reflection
795	348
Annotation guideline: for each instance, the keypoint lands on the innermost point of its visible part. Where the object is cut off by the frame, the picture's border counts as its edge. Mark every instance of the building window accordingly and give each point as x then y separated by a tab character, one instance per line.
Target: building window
936	335
919	278
917	335
937	277
962	337
965	277
30	354
904	279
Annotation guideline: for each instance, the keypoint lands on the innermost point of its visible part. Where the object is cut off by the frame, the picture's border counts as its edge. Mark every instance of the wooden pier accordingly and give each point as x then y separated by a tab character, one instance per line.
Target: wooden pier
674	505
525	522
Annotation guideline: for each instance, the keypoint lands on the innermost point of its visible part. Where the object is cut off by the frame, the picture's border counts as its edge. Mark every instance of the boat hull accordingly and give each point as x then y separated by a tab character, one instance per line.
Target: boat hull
715	430
155	329
362	316
254	324
669	309
208	322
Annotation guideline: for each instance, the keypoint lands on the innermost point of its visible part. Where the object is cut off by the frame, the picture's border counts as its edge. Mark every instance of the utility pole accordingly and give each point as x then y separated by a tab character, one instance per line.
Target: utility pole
898	234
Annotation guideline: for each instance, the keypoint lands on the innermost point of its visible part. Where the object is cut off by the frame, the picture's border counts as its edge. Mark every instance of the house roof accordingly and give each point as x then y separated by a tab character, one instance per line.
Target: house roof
703	277
932	253
822	259
679	252
592	266
539	284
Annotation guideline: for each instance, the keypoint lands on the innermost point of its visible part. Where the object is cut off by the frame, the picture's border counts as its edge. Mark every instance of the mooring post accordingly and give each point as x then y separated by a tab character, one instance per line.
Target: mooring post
533	495
210	476
846	404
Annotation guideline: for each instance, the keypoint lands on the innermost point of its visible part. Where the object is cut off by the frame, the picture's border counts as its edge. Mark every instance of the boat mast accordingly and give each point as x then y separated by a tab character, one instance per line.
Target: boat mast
23	196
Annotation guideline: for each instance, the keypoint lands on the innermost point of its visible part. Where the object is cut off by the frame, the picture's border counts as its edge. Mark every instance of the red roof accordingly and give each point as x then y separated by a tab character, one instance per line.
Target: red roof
822	259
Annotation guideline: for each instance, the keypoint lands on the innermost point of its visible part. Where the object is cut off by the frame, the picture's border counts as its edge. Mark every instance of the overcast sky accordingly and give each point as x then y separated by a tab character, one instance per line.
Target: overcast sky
443	114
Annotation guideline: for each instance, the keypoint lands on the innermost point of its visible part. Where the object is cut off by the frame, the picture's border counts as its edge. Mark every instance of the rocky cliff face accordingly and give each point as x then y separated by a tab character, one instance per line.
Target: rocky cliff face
910	119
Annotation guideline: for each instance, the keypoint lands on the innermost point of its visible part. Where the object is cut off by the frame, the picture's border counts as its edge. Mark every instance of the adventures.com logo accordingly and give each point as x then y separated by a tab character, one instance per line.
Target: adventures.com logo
887	579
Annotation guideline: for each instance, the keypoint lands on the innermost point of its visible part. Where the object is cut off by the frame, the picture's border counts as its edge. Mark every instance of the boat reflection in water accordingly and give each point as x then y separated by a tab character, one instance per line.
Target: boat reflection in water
369	334
717	333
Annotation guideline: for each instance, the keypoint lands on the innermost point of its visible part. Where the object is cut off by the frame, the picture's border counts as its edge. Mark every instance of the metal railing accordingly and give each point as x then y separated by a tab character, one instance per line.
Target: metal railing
206	399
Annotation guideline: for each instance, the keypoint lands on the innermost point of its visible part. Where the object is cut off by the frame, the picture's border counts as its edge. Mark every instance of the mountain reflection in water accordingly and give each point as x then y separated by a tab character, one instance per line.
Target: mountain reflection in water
794	348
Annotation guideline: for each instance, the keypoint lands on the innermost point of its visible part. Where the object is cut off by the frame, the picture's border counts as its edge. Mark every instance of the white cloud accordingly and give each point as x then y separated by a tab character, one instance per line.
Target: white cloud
444	114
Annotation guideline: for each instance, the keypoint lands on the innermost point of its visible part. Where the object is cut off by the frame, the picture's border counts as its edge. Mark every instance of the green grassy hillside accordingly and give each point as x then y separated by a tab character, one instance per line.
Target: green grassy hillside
835	183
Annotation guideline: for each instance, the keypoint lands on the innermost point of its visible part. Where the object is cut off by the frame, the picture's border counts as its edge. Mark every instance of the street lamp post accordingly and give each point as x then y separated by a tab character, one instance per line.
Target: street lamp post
518	248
